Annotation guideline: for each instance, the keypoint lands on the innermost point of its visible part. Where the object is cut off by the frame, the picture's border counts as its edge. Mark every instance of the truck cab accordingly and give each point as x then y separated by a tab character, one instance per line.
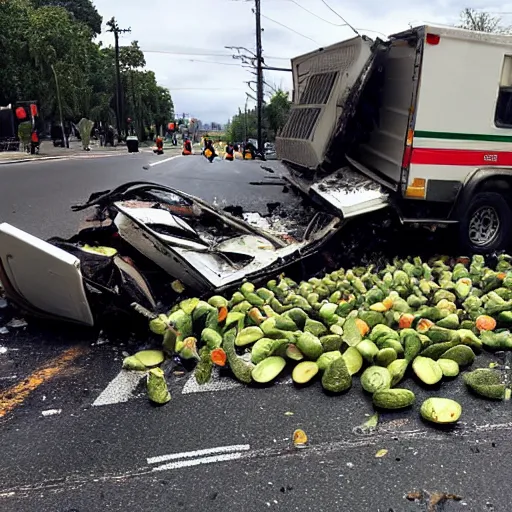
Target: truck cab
421	123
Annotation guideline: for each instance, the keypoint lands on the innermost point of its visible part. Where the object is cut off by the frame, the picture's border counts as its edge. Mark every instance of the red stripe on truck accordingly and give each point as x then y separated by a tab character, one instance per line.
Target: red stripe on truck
469	157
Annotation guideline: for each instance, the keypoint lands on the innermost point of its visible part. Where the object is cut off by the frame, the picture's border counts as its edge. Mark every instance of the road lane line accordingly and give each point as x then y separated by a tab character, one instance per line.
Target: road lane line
197	462
120	389
198	453
163	161
16	395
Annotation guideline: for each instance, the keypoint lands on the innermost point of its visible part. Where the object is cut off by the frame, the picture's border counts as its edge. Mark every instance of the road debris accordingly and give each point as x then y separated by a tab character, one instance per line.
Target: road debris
432	500
3	350
51	412
17	323
381	453
4	330
300	439
157	387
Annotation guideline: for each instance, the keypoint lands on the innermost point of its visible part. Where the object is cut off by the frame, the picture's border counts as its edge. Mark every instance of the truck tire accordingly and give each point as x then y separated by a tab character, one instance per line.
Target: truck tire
486	224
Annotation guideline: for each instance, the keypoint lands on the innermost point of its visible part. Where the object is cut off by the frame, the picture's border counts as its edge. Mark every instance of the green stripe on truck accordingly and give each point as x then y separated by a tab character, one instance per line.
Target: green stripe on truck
462	136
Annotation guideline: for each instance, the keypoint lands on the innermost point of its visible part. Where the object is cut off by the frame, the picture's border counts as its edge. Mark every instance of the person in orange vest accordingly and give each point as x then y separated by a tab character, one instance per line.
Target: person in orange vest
187	148
159	146
209	150
34	139
230	152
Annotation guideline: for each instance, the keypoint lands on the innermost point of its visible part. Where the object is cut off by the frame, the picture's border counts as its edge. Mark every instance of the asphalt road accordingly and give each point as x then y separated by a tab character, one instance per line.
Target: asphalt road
36	196
224	446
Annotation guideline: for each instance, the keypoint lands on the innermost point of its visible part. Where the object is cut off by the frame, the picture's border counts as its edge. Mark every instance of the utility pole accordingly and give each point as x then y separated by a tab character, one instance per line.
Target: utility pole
65	140
245	118
259	70
114	28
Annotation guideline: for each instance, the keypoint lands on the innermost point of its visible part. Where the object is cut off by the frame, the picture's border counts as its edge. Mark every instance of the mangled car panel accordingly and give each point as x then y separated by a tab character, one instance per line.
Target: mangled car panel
143	233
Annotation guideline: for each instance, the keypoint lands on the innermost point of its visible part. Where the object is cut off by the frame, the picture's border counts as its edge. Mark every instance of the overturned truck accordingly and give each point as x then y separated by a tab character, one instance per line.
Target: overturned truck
408	125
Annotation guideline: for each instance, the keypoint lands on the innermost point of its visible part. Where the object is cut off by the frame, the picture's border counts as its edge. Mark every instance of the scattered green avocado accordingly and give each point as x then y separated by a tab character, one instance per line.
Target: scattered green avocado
449	367
397	370
461	354
353	360
486	383
268	369
375	378
427	370
336	377
395	398
304	372
385	356
440	410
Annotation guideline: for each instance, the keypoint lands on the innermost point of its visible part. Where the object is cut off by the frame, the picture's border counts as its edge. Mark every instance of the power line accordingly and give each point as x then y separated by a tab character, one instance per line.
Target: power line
204	53
215	62
316	15
288	28
339	16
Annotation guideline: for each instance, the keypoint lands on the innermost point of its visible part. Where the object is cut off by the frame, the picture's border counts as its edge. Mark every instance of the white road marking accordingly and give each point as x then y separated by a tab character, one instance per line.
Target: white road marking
120	389
199	453
163	161
197	462
218	383
51	412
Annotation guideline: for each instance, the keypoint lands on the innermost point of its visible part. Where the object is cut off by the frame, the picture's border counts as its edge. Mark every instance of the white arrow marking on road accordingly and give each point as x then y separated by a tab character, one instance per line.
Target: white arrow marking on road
218	454
163	161
120	389
217	383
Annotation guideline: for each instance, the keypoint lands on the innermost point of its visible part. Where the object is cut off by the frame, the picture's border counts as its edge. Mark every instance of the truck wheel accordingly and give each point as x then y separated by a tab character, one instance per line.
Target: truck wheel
486	224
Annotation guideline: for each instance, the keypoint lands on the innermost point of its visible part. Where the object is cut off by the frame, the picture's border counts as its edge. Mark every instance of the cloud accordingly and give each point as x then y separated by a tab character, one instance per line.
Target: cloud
213	90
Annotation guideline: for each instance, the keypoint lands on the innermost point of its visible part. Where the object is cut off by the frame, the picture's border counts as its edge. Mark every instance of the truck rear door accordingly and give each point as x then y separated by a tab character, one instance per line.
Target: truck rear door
326	87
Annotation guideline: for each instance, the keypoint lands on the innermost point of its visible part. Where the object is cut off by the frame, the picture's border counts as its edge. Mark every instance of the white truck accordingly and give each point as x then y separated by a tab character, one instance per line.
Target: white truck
421	123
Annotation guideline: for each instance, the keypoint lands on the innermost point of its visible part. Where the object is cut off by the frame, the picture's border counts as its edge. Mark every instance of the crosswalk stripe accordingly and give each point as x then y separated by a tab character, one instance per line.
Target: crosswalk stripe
120	389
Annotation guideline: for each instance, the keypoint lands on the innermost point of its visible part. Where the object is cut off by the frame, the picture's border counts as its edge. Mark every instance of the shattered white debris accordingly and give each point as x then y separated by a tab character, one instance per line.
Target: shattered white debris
255	219
51	412
101	340
17	323
3	350
4	330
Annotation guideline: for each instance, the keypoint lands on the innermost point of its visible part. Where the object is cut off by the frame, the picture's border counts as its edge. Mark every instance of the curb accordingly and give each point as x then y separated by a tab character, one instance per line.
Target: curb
38	159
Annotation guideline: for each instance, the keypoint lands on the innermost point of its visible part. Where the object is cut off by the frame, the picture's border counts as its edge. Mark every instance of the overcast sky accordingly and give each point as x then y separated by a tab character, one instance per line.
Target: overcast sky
213	90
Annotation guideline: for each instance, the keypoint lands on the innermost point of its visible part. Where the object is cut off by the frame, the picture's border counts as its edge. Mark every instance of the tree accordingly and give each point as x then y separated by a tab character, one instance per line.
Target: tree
482	22
40	36
245	125
82	10
276	113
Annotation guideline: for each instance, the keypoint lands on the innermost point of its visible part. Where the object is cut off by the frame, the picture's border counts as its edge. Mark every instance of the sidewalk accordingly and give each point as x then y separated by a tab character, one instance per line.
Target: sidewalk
48	151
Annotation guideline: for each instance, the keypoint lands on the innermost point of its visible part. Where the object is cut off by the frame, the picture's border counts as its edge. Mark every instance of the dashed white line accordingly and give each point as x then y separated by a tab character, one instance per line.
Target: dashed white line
198	453
197	462
120	389
163	161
